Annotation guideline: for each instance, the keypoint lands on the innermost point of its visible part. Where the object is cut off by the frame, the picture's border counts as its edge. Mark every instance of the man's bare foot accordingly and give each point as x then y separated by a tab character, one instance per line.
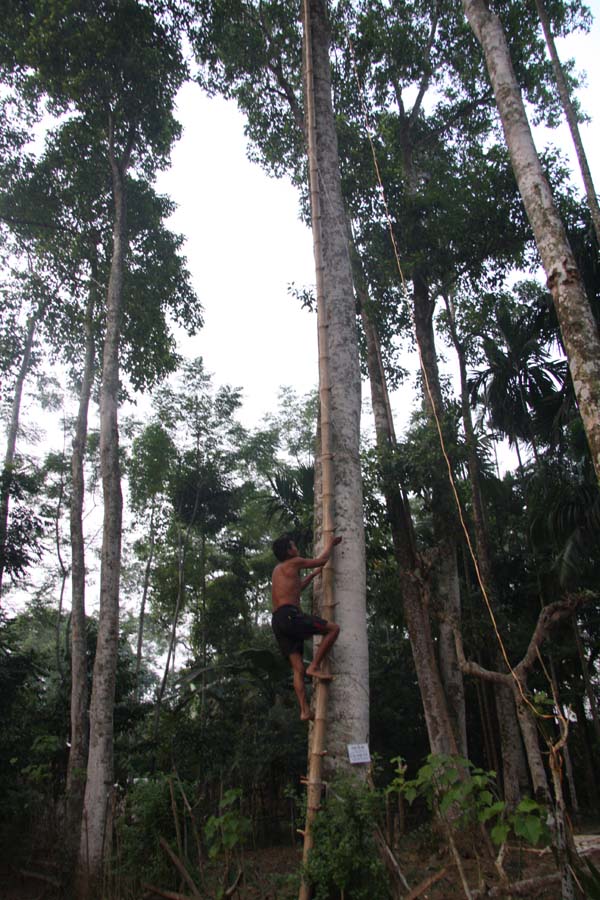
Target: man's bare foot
307	716
316	673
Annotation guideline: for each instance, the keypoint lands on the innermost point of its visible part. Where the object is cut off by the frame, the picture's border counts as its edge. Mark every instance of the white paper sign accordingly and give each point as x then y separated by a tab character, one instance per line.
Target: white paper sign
359	753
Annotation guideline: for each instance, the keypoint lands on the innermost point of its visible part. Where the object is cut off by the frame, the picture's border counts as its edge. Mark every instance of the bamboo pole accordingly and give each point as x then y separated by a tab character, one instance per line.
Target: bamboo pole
318	730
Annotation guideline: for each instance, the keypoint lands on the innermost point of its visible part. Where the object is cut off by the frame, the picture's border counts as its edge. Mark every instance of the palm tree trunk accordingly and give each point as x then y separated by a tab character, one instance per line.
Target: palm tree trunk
95	841
571	117
578	327
79	692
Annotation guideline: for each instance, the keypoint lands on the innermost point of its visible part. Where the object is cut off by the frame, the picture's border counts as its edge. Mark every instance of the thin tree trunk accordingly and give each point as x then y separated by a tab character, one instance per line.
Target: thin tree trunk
589	690
531	741
348	718
64	572
147	571
445	520
415	587
565	747
571	117
578	327
513	762
79	692
181	557
95	840
486	727
11	442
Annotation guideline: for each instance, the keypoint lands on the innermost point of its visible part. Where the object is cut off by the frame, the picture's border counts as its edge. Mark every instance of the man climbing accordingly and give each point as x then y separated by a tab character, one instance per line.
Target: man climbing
290	624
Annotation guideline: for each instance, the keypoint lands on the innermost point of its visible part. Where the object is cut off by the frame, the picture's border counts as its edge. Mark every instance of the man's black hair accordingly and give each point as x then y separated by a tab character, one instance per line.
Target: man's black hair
281	546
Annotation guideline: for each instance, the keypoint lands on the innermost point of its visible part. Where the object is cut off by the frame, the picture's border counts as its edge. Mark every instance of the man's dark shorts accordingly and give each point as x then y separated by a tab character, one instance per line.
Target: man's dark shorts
292	627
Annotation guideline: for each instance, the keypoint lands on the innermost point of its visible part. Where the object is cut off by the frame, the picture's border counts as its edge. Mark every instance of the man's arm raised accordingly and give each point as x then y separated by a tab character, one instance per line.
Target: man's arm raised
318	561
307	580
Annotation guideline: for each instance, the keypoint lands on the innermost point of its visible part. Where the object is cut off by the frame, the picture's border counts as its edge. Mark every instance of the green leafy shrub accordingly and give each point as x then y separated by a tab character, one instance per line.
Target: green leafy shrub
228	831
344	860
464	795
147	817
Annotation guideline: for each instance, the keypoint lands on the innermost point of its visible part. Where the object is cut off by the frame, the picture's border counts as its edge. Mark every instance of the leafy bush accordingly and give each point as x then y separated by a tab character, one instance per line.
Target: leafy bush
147	817
463	795
344	860
227	831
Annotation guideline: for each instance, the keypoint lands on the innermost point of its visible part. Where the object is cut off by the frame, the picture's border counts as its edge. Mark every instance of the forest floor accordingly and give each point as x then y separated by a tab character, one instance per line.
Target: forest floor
272	874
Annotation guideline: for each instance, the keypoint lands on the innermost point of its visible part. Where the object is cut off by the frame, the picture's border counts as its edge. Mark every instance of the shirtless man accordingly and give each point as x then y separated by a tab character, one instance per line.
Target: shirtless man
290	624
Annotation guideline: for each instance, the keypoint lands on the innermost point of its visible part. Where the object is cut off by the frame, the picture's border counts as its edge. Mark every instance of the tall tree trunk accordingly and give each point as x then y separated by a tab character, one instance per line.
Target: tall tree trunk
95	839
412	574
445	520
349	693
79	692
566	750
64	572
578	327
571	117
11	442
513	762
515	782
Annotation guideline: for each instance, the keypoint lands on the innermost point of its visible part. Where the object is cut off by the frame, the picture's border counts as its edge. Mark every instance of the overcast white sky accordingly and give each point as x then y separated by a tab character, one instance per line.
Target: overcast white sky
245	244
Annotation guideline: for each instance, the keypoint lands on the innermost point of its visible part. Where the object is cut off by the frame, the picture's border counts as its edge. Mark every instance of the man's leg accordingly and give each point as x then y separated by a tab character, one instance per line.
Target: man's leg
298	670
327	642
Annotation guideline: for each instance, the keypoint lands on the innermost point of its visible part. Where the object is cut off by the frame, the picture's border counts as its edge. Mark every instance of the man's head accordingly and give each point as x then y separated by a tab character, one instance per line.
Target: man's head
282	547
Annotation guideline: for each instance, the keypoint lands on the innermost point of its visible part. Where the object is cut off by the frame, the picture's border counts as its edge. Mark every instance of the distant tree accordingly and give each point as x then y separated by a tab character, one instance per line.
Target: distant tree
119	77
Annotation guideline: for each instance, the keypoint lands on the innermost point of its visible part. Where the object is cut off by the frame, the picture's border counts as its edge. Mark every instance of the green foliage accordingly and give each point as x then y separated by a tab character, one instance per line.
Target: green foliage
527	821
344	861
227	831
25	527
463	795
147	817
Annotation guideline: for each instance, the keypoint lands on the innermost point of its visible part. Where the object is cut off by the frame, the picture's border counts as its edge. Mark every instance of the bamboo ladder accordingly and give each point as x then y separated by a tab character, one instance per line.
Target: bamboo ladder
318	729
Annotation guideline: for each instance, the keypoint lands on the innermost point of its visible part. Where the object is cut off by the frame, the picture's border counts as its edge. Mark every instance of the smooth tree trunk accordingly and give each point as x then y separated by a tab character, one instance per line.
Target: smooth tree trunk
348	718
95	837
64	572
571	117
78	752
11	441
578	327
